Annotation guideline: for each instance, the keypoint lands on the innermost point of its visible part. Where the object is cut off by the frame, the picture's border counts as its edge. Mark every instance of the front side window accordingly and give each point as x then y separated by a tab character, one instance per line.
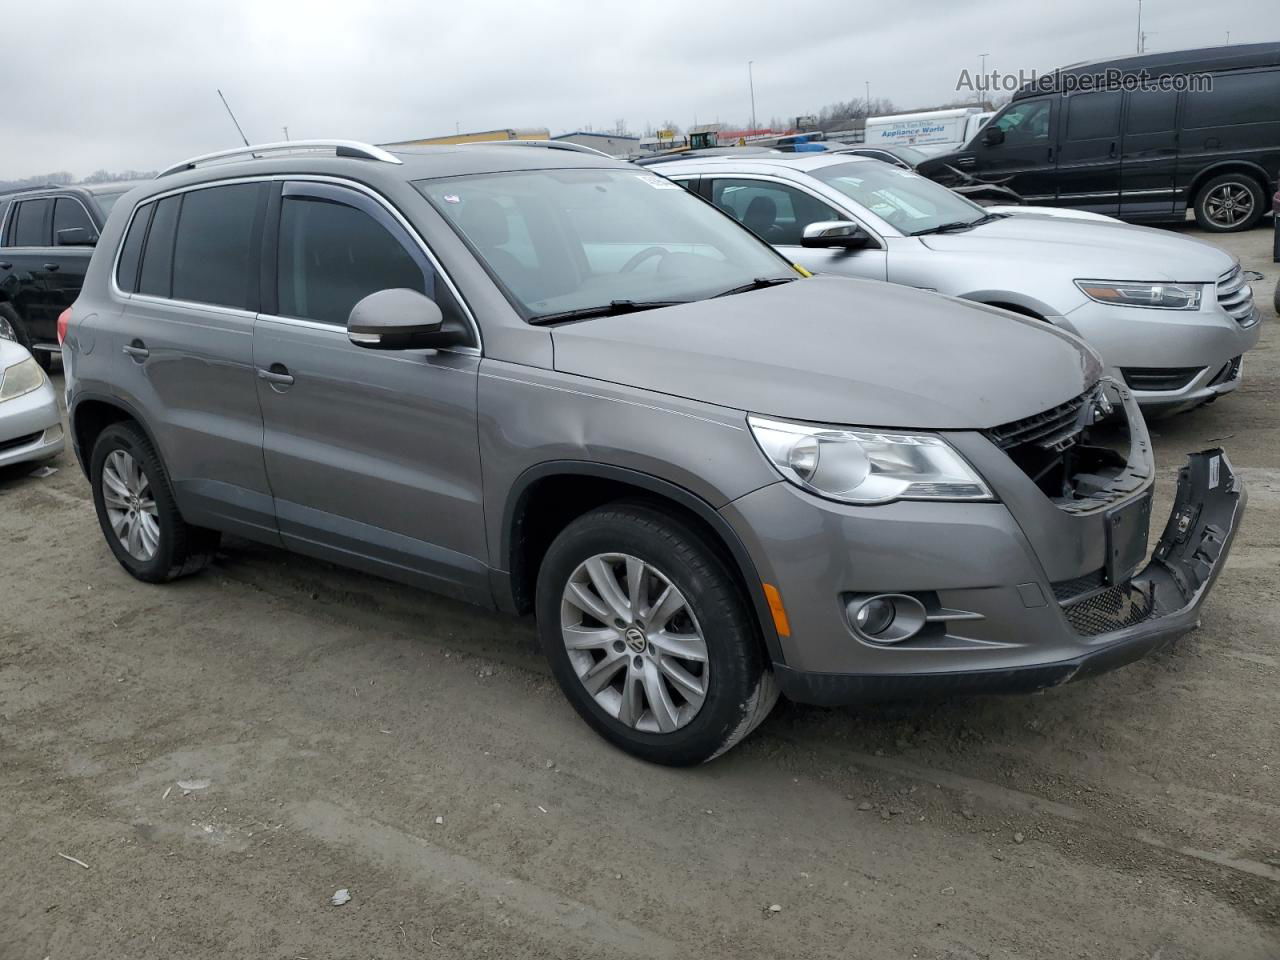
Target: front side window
31	224
907	201
214	258
332	256
773	211
69	214
1026	122
578	239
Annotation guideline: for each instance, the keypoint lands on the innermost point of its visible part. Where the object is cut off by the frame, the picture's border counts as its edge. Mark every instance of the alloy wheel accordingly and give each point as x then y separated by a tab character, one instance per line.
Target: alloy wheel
1229	205
130	504
634	643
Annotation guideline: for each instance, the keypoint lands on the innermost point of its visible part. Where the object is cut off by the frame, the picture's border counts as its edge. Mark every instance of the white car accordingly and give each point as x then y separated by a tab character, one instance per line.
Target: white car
30	419
1173	316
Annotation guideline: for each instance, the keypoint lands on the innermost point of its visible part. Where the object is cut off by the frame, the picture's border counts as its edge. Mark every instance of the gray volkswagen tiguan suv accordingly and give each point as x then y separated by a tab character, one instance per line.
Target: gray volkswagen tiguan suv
549	382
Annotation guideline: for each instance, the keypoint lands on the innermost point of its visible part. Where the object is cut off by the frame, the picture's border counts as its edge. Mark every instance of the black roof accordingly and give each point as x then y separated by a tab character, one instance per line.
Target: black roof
1170	63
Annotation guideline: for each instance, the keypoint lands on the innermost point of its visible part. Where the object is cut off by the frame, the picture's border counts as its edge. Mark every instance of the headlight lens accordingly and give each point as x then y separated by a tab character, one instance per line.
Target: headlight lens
861	466
1164	296
23	377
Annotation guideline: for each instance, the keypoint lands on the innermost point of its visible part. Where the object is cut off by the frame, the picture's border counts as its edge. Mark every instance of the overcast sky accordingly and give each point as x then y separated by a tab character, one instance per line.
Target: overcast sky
90	85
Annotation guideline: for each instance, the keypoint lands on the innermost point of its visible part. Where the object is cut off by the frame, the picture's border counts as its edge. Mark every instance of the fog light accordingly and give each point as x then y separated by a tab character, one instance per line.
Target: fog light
886	618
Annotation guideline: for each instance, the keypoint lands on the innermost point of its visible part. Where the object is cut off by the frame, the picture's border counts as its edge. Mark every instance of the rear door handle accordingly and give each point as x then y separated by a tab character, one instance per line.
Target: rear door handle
6	266
52	266
278	374
136	350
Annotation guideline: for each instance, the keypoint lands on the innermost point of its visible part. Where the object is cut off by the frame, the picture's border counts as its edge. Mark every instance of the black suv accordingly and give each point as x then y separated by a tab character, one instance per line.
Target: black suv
47	235
1093	137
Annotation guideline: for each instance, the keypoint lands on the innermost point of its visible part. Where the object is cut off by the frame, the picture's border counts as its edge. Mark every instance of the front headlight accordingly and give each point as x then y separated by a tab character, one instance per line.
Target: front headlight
864	466
1163	296
23	377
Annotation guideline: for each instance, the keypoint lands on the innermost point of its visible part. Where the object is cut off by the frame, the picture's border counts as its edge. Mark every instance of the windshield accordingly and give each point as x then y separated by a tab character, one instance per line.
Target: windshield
905	200
572	240
106	201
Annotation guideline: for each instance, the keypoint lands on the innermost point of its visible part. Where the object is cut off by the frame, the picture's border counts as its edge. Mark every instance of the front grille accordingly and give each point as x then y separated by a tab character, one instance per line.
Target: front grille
1159	378
1230	371
1236	297
1115	608
1067	590
17	442
1045	430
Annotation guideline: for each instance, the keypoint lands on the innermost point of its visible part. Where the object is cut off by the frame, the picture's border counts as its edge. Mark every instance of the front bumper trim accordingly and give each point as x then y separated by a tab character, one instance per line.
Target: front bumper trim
1209	503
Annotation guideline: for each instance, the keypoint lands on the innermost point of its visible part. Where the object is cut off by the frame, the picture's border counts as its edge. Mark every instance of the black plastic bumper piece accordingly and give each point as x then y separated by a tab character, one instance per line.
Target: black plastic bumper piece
1206	513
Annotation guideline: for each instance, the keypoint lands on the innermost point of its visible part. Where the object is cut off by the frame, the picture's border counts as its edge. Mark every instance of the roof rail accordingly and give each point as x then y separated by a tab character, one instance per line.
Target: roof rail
340	148
545	144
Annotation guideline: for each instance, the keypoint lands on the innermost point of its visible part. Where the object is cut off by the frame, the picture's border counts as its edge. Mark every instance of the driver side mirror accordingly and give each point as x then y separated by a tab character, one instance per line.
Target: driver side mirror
76	237
992	136
398	319
843	234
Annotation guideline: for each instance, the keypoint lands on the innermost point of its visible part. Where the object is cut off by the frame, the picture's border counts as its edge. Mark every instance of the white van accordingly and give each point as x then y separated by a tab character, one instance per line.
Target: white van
933	132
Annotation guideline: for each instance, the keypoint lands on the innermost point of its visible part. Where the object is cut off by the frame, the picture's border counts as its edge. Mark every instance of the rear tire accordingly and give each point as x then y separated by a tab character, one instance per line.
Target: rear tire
643	708
1230	203
137	511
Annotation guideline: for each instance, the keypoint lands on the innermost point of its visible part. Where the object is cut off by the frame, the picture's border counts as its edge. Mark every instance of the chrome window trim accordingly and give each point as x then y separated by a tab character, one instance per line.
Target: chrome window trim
123	297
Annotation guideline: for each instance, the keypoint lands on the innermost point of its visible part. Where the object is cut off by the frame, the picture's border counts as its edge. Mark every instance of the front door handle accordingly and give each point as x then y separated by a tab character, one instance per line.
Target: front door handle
51	267
136	350
277	374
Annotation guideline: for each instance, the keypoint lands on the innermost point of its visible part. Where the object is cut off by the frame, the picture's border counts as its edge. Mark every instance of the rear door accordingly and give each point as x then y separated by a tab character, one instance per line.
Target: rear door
1149	154
1089	152
29	253
71	260
189	268
778	212
373	456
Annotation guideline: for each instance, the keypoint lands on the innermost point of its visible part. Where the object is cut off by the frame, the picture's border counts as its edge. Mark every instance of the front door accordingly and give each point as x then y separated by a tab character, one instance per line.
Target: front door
1025	160
778	213
1089	157
372	455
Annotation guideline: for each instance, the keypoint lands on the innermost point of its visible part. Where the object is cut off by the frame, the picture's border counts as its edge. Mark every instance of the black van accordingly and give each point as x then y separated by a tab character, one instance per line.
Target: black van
1140	138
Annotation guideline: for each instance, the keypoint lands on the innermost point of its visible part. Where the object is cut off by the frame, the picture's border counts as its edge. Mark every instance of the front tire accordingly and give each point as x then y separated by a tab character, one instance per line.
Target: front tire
137	511
650	636
1230	203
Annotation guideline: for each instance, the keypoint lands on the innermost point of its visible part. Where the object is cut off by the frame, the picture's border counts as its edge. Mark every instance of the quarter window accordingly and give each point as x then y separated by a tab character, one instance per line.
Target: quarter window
31	224
213	259
772	211
156	278
332	256
131	252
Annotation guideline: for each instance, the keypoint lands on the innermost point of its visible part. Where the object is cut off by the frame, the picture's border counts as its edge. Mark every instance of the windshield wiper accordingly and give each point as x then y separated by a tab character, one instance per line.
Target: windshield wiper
959	225
610	309
757	284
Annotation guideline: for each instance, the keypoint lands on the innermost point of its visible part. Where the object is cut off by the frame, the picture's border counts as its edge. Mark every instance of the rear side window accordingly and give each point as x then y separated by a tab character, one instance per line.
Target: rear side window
1093	116
1235	99
4	211
213	253
31	224
69	213
157	259
332	256
1151	111
131	252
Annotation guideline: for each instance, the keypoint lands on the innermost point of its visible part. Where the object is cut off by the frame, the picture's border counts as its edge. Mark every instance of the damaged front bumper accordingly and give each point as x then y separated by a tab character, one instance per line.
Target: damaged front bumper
1023	646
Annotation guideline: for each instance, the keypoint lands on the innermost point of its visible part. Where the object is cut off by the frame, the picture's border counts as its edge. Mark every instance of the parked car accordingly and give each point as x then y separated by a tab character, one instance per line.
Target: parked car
1169	314
1144	155
428	365
46	239
996	198
30	419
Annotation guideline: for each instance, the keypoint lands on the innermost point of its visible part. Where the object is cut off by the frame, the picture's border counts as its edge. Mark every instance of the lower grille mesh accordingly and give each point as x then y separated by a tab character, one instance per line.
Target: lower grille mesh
1121	606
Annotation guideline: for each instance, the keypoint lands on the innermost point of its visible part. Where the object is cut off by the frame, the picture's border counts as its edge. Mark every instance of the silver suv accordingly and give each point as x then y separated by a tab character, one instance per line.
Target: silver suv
549	382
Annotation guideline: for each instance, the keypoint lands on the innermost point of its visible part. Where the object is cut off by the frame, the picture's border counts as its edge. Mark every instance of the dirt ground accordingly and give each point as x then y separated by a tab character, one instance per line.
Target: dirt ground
357	734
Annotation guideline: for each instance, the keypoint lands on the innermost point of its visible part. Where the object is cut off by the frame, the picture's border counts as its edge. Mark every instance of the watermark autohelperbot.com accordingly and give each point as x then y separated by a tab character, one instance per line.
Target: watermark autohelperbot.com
998	81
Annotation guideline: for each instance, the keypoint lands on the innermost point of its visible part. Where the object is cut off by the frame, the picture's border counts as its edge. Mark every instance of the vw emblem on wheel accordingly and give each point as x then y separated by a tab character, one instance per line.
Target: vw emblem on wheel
635	639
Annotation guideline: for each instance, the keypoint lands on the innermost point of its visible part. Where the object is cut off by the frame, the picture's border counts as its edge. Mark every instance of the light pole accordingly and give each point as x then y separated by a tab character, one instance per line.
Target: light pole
983	73
1140	26
752	84
868	99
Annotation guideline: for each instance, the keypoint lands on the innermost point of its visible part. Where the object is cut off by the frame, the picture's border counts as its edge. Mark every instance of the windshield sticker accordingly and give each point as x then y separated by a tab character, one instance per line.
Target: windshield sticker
658	183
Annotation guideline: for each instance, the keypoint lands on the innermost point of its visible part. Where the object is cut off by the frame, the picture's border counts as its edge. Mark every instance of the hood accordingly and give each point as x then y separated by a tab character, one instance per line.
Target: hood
1091	249
11	353
839	351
